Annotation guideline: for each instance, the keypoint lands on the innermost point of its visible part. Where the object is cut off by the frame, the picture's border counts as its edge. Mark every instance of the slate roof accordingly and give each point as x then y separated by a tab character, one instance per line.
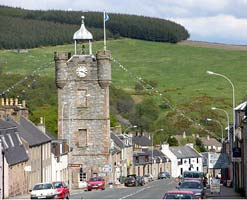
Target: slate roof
13	148
156	154
211	142
241	107
117	140
184	152
141	140
29	132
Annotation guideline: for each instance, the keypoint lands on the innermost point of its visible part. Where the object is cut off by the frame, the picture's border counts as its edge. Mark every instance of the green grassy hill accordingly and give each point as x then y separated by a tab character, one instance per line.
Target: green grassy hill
178	70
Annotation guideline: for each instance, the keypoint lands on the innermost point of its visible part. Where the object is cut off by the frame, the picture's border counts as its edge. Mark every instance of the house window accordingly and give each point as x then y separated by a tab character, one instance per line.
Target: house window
197	160
81	98
197	168
80	138
181	171
179	162
137	159
189	161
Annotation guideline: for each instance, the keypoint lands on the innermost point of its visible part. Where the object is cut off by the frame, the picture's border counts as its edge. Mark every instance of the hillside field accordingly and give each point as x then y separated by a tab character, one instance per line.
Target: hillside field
179	71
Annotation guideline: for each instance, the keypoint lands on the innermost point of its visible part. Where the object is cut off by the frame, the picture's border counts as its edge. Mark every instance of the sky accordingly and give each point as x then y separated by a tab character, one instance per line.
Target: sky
219	21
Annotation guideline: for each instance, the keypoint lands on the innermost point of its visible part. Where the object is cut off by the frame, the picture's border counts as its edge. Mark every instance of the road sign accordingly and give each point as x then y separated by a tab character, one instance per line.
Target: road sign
74	165
107	168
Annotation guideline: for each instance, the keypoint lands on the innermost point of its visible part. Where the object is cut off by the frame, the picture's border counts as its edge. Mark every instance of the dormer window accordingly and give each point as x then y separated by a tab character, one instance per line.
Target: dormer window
18	137
10	139
4	142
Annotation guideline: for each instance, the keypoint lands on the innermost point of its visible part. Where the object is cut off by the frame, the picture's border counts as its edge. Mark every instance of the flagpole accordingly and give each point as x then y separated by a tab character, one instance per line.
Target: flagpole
104	32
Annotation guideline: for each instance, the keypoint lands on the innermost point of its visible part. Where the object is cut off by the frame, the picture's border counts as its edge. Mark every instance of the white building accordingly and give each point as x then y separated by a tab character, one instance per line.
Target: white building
183	158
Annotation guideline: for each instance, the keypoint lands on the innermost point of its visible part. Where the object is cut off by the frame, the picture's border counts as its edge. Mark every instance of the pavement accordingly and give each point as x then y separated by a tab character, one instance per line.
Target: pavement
225	193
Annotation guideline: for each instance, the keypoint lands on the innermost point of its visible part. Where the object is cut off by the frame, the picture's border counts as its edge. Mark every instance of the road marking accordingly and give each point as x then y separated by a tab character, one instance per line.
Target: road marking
136	192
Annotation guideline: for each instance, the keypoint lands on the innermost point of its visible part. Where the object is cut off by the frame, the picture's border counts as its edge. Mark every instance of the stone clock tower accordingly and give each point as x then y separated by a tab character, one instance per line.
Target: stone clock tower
83	108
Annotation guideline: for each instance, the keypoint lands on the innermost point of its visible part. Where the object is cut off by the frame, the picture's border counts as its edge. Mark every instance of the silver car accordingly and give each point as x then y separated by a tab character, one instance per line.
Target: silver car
193	185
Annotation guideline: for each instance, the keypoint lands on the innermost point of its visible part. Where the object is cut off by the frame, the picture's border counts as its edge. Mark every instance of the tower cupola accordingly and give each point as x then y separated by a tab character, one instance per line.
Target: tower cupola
83	35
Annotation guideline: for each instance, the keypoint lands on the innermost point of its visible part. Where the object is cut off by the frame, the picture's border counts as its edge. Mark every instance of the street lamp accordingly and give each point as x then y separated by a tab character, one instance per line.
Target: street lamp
208	119
156	131
233	99
227	116
135	126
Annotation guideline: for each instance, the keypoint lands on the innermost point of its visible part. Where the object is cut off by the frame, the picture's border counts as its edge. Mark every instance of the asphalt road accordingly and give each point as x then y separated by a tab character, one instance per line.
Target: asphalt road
153	190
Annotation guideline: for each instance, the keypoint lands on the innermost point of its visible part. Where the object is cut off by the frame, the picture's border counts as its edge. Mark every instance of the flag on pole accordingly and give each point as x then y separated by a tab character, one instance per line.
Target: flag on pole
105	19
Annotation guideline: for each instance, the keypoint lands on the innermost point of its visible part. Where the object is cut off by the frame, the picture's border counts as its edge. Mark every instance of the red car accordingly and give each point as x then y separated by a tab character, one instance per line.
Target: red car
177	194
62	190
95	183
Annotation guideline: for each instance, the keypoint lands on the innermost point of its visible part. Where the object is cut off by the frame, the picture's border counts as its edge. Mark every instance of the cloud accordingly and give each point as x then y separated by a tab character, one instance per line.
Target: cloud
221	28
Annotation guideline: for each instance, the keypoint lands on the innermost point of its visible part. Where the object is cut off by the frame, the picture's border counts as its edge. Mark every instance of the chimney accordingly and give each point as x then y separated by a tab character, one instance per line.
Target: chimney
208	137
184	134
11	102
7	102
165	147
190	145
41	125
23	103
16	102
3	102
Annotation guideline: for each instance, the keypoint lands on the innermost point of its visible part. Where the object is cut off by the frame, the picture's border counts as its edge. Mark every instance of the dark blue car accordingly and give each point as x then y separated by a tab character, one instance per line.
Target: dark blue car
165	175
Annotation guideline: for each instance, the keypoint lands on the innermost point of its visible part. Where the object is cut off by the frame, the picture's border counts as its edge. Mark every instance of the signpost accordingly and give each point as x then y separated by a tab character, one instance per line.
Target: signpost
70	165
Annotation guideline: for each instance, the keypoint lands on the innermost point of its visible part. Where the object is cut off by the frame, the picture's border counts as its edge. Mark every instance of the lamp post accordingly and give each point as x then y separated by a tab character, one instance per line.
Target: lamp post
227	116
208	119
156	131
135	126
233	99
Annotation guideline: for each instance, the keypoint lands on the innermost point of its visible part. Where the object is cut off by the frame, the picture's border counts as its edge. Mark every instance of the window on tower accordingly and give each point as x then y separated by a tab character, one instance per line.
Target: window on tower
81	98
81	138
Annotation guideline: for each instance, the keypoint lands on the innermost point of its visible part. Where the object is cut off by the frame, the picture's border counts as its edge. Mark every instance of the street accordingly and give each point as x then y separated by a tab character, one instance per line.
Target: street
154	190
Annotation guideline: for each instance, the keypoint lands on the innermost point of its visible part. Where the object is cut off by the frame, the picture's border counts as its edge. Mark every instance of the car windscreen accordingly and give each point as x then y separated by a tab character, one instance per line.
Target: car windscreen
95	179
179	196
191	185
58	185
44	186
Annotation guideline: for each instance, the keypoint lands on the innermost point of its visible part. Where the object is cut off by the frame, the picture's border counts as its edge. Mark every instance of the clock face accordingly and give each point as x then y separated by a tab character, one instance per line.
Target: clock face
81	71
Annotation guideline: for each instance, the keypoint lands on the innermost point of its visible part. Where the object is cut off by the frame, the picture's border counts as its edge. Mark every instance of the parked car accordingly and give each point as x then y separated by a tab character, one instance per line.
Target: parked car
149	177
131	180
193	185
96	183
62	189
140	180
177	194
165	175
43	191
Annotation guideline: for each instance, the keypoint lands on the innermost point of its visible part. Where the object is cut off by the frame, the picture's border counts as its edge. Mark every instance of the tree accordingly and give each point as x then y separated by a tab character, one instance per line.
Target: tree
145	114
199	145
172	141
